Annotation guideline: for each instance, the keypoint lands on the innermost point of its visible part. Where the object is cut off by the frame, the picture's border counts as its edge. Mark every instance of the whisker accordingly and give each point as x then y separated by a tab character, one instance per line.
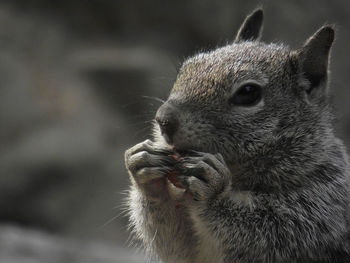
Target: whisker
110	220
142	130
144	114
153	98
139	122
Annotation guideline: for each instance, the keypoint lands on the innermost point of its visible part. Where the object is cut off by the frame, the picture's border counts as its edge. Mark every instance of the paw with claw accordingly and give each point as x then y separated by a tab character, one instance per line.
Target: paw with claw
203	175
148	165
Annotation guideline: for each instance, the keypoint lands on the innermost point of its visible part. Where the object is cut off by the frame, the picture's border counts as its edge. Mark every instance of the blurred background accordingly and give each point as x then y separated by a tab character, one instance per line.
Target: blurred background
80	82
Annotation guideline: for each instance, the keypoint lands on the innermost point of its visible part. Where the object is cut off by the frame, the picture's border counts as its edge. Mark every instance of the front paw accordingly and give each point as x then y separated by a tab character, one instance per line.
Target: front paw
203	175
148	166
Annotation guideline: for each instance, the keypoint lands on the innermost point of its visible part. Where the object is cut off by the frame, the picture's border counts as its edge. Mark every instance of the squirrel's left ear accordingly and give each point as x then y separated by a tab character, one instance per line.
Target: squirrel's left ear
313	58
251	28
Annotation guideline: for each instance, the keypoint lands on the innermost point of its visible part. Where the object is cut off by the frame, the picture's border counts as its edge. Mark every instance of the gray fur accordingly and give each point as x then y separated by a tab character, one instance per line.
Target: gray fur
264	183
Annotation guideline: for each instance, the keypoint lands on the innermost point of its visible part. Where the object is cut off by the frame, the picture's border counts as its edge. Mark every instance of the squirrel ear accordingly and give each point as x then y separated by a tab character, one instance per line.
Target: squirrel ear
314	55
251	27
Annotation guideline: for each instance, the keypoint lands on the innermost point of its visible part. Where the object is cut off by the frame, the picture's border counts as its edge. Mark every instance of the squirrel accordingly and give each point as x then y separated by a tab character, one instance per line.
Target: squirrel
244	166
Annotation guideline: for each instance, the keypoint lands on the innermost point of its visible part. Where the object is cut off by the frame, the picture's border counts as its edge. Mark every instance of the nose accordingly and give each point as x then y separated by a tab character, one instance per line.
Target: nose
167	121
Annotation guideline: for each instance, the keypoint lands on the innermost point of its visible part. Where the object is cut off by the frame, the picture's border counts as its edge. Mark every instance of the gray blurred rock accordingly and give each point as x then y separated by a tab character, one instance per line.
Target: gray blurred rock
64	126
18	245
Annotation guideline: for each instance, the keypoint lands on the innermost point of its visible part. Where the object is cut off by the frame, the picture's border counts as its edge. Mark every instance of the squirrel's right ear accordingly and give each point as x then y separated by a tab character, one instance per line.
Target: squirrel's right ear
251	28
313	58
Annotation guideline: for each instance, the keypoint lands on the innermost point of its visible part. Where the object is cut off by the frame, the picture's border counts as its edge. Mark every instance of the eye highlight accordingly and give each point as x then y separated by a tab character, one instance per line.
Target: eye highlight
248	95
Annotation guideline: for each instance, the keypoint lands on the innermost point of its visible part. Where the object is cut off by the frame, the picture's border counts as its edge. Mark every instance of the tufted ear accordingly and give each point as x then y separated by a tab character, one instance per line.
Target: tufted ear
251	28
313	59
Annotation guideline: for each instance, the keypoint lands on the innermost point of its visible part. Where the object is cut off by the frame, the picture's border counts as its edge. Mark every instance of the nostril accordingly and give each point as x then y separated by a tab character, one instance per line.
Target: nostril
166	126
162	122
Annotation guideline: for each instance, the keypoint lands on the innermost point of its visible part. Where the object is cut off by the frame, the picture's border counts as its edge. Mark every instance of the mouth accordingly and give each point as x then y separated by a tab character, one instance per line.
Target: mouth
179	151
182	152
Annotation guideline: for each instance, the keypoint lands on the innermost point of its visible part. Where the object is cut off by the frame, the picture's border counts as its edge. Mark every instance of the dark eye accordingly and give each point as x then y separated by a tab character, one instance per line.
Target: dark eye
247	95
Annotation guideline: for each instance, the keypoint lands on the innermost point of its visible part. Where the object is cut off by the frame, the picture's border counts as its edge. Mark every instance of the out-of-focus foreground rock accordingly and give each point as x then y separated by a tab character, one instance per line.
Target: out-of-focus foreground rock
27	246
80	82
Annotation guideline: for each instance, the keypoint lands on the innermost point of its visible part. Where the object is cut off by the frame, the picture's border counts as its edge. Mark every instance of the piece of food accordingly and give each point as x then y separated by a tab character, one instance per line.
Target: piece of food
176	156
172	178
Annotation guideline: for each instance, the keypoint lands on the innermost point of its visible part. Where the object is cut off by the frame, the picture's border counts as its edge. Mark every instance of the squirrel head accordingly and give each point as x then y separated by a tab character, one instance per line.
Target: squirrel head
248	98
